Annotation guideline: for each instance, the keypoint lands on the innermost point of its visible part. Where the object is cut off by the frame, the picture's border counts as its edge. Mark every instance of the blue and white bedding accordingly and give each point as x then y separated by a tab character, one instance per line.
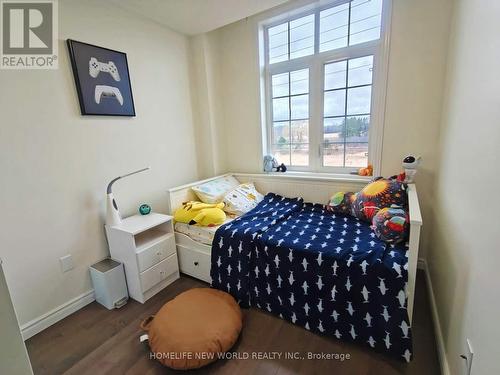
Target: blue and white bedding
324	272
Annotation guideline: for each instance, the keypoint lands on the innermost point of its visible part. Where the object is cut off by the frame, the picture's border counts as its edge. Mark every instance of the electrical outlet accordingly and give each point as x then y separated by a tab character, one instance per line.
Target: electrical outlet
66	263
468	356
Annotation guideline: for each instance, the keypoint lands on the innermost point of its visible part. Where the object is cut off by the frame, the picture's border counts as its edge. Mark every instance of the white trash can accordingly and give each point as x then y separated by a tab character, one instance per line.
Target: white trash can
110	287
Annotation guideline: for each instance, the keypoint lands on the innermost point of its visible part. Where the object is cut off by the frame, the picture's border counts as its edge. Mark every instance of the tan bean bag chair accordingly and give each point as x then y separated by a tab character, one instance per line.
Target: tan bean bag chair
189	331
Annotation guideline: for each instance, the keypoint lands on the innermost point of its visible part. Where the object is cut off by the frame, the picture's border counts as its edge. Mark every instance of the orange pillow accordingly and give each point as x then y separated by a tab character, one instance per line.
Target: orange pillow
195	327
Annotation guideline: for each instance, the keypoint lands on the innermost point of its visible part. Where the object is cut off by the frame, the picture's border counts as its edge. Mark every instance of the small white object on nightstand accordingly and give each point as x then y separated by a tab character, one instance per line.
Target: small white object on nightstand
145	244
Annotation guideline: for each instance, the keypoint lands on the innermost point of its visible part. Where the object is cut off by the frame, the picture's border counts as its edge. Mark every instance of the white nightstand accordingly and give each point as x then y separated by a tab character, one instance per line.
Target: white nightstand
145	244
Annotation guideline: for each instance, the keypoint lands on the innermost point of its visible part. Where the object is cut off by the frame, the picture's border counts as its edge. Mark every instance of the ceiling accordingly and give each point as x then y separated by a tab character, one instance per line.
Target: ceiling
193	17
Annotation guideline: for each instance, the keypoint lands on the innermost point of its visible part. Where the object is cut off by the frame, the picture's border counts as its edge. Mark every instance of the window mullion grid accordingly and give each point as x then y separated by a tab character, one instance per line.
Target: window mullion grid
289	42
351	87
289	108
347	82
316	32
269	104
294	95
315	115
350	115
349	25
315	111
345	104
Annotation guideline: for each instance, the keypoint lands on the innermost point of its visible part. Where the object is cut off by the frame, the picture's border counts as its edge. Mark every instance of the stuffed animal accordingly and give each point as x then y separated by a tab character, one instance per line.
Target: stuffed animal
271	164
281	168
201	214
368	171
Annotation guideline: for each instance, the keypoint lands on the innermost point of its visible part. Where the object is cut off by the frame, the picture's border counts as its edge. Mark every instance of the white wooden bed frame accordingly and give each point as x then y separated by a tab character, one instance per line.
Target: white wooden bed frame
194	257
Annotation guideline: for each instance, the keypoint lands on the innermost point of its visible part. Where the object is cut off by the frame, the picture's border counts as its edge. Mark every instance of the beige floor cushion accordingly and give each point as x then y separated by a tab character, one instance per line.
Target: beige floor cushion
191	330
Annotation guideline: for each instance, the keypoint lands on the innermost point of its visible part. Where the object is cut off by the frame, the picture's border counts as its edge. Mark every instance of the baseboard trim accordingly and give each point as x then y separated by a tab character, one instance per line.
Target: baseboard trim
44	321
443	361
421	264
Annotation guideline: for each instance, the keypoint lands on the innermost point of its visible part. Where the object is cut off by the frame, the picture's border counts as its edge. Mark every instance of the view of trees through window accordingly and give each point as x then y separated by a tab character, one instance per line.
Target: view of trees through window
347	105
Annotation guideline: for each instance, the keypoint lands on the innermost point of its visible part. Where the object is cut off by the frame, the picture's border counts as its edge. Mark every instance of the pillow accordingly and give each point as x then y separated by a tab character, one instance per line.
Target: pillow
214	191
391	224
341	203
378	194
242	199
194	329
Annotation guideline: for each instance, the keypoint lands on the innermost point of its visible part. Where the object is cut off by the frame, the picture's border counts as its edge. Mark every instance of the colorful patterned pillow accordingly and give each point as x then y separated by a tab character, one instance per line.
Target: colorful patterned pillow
391	224
242	199
342	203
214	191
378	194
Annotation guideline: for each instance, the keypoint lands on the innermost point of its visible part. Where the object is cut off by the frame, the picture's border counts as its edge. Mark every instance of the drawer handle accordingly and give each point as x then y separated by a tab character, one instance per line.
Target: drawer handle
196	263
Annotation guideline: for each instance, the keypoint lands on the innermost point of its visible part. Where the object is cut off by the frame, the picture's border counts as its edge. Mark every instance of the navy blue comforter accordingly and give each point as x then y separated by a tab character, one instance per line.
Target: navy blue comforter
324	272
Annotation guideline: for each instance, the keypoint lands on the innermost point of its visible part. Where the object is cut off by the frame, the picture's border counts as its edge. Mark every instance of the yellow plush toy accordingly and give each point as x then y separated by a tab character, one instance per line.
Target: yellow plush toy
202	214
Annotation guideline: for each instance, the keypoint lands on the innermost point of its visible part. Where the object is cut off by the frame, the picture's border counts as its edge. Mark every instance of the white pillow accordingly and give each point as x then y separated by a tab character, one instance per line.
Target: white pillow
242	199
214	191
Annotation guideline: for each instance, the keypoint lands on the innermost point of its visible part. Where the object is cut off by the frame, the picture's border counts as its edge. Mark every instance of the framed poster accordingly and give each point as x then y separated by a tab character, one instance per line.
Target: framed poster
102	80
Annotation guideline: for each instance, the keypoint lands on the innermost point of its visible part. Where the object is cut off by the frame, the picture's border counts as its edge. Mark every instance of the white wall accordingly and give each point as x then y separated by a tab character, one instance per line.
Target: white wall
465	255
206	103
419	42
55	163
417	69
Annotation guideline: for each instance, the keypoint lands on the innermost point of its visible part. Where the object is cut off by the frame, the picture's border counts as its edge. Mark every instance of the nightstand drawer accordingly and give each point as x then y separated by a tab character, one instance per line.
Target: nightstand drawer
154	254
159	272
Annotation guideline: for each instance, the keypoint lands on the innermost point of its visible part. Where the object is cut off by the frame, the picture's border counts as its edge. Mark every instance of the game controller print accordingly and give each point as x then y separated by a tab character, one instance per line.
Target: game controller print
95	67
108	92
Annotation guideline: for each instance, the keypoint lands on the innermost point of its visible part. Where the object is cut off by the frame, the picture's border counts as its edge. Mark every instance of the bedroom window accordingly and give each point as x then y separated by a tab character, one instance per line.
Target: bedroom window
324	79
290	128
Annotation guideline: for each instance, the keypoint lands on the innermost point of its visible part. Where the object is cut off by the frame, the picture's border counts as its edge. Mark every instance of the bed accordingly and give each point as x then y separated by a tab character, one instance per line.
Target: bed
388	270
194	256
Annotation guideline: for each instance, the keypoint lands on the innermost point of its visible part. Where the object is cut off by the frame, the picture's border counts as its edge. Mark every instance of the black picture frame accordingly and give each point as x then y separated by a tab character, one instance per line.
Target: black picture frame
102	80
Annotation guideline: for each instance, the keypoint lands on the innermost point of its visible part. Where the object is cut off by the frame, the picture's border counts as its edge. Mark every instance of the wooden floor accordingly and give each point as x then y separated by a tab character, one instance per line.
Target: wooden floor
97	341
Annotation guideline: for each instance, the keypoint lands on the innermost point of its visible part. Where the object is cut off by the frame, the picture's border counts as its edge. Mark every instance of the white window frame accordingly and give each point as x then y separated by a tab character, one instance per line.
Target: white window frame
316	63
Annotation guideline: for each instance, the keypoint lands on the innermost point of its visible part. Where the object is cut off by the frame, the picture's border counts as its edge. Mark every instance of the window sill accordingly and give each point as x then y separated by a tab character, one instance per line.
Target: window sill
316	176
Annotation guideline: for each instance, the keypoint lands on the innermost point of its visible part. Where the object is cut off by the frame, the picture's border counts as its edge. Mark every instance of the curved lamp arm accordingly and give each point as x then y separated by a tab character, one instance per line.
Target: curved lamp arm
108	190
